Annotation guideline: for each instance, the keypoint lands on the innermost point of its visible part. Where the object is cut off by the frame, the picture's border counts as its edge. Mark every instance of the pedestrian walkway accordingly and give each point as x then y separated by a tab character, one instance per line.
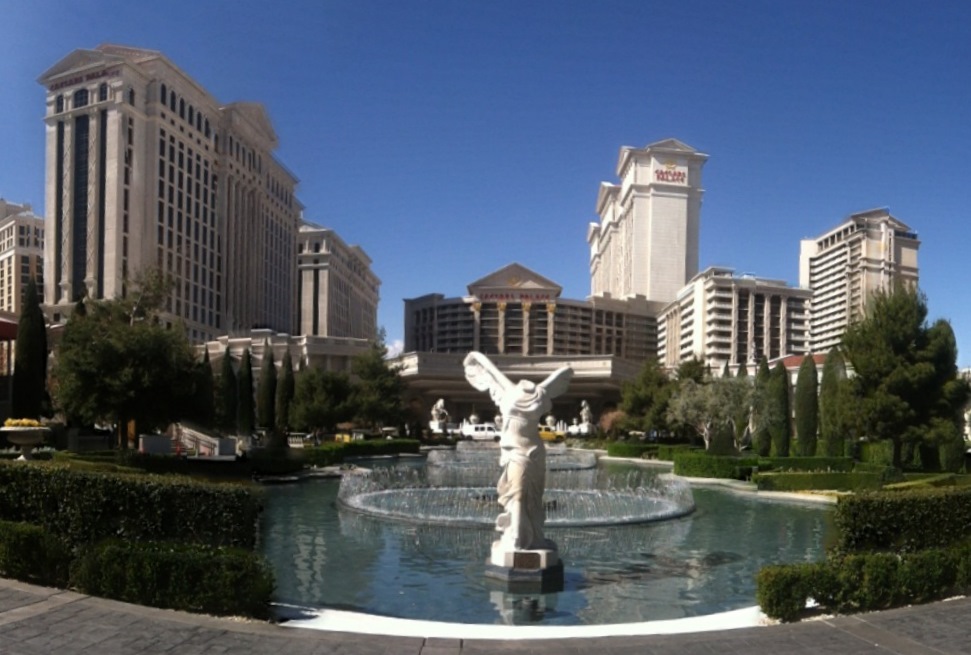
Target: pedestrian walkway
41	621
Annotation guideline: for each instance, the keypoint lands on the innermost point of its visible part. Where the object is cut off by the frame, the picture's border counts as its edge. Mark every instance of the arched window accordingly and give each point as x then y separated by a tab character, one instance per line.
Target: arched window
103	92
192	115
207	128
162	95
172	101
59	104
80	98
182	108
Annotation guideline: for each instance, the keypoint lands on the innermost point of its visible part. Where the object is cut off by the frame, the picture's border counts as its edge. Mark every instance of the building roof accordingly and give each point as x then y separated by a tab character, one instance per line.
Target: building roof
514	278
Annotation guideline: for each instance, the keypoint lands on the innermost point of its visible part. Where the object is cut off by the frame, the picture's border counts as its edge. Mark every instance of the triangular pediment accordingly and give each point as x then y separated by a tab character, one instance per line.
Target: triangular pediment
671	144
78	60
514	280
255	114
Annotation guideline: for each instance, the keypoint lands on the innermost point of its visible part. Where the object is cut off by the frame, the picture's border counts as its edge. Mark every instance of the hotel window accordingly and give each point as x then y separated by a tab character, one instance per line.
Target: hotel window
131	97
59	104
162	94
80	98
102	92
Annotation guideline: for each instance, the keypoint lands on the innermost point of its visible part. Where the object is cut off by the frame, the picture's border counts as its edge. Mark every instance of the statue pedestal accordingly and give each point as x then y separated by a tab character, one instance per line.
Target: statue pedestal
525	571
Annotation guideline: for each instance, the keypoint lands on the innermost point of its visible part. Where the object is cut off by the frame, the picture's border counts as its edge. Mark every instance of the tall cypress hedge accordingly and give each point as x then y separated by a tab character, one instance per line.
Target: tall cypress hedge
807	407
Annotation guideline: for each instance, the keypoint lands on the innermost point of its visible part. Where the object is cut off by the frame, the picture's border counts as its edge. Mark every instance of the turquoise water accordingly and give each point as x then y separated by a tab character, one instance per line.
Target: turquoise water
700	564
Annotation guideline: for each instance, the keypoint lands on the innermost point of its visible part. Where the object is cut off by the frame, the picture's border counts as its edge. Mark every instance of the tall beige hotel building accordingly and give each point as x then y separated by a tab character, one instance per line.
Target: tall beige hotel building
145	169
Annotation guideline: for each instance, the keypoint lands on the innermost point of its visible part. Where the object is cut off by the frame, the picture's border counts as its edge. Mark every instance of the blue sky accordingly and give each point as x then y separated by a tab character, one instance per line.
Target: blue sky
449	138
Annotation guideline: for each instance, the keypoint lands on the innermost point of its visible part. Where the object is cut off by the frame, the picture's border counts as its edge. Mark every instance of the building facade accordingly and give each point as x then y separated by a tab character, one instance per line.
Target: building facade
21	254
721	318
337	291
146	170
870	251
647	241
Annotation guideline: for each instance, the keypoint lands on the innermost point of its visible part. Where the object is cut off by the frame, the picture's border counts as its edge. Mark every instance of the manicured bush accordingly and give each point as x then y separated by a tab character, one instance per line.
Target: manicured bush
807	481
190	577
667	452
876	452
805	464
32	554
703	465
782	590
903	521
627	449
922	481
84	508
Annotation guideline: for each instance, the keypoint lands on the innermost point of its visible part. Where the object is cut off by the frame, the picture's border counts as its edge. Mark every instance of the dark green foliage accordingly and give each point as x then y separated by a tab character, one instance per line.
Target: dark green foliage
742	371
645	399
904	521
906	385
246	410
781	590
807	407
32	554
321	401
692	369
780	464
666	452
332	452
762	439
726	371
378	388
820	480
84	508
229	395
266	408
204	408
190	577
777	392
119	363
703	465
627	449
876	452
30	363
834	405
284	393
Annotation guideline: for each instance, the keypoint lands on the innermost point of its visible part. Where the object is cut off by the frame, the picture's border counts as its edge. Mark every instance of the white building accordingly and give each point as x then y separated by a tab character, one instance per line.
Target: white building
21	254
338	293
721	318
646	243
145	169
870	251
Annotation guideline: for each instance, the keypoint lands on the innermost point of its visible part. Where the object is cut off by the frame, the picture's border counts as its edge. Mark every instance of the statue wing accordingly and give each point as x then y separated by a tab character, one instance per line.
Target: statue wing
558	382
484	376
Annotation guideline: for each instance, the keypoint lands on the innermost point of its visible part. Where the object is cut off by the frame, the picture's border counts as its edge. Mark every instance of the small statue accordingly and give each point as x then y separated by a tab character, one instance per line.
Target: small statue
586	416
523	455
439	413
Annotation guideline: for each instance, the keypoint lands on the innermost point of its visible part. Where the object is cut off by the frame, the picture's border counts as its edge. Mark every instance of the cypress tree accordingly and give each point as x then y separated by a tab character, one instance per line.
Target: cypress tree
726	371
832	432
742	371
763	437
30	365
246	409
779	429
205	392
227	385
807	407
267	398
284	393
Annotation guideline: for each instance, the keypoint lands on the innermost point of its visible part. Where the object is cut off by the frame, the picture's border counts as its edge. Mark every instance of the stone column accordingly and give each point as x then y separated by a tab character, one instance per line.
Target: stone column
550	323
526	307
502	327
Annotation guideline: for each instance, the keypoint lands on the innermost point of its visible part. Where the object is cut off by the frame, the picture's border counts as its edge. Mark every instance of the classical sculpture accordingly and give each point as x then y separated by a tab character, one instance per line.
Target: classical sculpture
438	410
522	456
586	416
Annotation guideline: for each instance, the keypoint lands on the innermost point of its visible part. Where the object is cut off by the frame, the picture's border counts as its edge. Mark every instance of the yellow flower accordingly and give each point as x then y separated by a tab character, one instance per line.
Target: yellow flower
21	423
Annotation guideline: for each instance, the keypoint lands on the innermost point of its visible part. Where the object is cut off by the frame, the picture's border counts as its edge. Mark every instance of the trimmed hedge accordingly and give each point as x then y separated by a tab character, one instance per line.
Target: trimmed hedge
923	481
903	521
667	452
334	452
876	452
864	582
626	449
703	465
84	508
191	577
32	554
805	481
805	464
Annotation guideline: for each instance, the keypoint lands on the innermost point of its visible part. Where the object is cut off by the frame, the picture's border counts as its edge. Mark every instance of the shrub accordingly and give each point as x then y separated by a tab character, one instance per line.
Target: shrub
190	577
782	590
703	465
922	481
32	554
667	452
805	463
876	452
806	481
627	449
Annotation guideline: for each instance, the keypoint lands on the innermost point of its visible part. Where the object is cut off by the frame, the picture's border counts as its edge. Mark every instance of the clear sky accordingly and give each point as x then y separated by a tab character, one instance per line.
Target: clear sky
449	138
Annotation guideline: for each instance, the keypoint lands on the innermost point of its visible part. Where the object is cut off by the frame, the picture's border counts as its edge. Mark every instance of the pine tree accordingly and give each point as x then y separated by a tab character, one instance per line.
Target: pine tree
228	393
284	393
267	393
30	365
779	428
807	407
246	409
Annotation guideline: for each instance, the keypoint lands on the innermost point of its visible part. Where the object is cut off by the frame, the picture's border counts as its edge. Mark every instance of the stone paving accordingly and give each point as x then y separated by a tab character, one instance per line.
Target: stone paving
42	621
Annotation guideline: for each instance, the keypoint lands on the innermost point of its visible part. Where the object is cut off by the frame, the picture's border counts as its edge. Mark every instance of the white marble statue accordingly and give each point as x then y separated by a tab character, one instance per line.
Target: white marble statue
586	416
523	455
438	410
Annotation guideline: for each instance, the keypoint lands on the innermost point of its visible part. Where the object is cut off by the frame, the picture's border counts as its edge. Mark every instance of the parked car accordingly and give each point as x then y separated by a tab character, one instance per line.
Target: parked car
546	433
480	432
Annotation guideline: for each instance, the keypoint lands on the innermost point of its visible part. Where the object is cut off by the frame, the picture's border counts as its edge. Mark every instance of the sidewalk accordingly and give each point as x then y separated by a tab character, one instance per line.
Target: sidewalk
42	621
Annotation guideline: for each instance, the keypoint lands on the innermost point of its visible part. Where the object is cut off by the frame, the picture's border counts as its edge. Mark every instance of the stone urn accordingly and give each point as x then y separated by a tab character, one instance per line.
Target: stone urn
25	437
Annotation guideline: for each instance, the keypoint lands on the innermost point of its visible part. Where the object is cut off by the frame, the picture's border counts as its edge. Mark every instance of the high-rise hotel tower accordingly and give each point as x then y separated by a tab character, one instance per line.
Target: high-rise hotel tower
145	169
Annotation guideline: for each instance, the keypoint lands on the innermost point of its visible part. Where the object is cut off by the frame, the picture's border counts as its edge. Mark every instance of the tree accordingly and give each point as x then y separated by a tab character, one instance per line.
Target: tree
322	399
378	387
710	408
267	394
30	364
204	397
761	410
692	369
807	407
284	393
228	405
246	421
645	399
906	386
119	364
833	391
778	411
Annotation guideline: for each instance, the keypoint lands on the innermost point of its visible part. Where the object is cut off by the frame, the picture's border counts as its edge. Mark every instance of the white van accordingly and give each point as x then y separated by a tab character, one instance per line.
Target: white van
480	432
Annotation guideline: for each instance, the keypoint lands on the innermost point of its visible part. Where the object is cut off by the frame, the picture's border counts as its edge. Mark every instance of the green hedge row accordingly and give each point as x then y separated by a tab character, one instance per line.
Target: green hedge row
85	508
32	554
876	452
190	577
334	452
667	452
627	449
903	521
805	481
805	464
702	465
864	582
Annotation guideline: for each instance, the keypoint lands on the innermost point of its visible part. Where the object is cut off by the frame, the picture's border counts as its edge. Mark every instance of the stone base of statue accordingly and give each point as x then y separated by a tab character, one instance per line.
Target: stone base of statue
525	571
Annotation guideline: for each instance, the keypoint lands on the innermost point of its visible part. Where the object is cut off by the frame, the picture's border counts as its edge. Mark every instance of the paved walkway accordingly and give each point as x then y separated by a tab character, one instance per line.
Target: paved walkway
42	621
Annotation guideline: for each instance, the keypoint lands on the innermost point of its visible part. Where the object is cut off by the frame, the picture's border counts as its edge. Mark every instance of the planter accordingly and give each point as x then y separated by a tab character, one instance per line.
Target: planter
26	438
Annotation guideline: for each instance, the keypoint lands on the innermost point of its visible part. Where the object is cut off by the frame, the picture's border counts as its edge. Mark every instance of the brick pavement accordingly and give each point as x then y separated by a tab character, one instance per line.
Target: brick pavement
42	621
